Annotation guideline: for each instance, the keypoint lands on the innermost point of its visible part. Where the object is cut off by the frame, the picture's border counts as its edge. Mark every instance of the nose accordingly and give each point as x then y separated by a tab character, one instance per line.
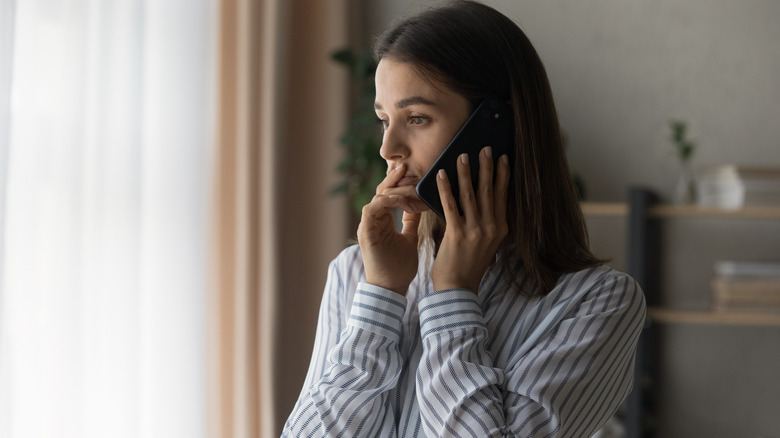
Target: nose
393	148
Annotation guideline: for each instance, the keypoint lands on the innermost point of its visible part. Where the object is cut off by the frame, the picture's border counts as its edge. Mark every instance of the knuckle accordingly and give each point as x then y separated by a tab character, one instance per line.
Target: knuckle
449	204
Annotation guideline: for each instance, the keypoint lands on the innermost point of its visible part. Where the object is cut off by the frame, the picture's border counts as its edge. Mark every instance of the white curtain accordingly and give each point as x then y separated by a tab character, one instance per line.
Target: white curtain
105	150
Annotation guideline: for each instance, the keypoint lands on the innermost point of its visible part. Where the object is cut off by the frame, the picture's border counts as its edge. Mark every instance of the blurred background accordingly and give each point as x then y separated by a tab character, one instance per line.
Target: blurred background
166	215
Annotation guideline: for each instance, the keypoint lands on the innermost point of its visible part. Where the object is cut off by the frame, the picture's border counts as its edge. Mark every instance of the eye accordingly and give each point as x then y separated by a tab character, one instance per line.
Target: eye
418	120
382	122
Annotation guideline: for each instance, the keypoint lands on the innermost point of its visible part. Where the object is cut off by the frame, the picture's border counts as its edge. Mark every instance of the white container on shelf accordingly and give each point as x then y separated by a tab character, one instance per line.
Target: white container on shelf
733	186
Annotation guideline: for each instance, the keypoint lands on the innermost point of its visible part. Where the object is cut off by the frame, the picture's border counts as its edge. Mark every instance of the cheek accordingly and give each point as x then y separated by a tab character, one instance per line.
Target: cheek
429	144
439	142
431	152
435	152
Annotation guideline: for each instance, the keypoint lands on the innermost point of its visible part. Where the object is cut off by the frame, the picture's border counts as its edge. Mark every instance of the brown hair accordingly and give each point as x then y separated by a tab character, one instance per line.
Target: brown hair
481	54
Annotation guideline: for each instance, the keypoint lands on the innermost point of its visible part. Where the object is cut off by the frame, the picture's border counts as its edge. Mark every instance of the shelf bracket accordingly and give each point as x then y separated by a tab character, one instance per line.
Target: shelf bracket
643	264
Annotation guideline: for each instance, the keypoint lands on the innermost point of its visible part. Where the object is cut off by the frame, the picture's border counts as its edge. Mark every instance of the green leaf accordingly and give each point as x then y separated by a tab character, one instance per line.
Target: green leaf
344	56
362	167
684	147
339	188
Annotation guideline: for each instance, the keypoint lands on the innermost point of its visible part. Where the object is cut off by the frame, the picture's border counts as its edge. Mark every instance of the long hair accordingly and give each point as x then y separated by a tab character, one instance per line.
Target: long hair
479	53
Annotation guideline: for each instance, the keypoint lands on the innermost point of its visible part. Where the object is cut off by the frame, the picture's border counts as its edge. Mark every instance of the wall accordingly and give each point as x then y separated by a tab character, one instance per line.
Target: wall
619	72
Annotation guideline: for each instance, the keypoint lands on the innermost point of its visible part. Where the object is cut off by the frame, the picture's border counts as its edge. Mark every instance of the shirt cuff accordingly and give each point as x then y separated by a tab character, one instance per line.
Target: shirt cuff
449	310
378	310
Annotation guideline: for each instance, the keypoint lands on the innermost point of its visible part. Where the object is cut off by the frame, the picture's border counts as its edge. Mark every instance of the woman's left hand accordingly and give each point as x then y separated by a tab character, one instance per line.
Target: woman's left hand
471	241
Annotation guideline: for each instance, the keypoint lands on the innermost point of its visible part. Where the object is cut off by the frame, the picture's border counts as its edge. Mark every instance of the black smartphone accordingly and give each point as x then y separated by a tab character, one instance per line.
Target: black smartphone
491	124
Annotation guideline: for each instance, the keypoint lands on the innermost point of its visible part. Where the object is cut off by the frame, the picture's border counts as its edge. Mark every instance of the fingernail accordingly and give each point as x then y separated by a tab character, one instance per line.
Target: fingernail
505	159
464	158
488	151
442	174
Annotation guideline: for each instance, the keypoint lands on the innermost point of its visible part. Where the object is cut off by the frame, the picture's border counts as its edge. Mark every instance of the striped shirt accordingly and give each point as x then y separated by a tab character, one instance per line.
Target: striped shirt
455	363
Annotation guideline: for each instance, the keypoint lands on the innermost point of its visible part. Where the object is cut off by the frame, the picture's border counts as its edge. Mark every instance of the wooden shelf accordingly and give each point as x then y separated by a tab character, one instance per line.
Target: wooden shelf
669	316
604	209
693	210
669	211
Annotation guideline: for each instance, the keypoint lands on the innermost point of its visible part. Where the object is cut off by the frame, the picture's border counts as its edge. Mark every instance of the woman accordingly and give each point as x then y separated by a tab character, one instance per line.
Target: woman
497	322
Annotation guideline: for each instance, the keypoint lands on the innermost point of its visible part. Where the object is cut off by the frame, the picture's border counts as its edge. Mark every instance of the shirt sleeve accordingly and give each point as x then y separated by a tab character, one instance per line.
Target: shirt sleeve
353	367
567	382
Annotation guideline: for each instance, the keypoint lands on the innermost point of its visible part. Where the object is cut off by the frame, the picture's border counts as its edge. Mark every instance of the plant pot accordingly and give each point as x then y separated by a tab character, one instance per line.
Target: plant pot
685	190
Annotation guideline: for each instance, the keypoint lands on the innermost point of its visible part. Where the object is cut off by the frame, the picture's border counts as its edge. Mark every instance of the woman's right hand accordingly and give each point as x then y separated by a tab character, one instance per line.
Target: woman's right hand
390	257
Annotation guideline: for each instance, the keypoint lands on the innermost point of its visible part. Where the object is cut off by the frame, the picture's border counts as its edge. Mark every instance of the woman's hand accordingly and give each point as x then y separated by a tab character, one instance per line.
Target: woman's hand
390	257
471	241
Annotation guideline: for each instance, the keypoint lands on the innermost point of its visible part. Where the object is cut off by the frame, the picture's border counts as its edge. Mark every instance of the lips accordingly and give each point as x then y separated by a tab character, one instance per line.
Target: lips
407	180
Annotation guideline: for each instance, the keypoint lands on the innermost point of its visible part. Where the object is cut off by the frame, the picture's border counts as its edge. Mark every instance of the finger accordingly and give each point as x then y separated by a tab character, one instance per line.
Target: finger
485	197
411	222
392	178
411	205
410	200
467	198
379	206
376	220
502	186
451	214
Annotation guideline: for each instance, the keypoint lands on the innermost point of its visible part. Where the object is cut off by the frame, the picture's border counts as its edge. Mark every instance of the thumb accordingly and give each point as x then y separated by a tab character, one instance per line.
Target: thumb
410	223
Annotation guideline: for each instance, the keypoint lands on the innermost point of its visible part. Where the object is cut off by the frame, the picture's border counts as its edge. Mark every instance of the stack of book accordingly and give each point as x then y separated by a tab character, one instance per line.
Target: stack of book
733	186
746	287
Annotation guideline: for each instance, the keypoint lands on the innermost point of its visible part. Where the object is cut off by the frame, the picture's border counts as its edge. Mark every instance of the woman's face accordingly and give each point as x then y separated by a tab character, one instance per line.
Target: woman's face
419	118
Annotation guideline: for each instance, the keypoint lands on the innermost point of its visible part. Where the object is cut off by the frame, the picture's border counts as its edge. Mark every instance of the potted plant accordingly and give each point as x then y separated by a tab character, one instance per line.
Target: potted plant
683	148
362	168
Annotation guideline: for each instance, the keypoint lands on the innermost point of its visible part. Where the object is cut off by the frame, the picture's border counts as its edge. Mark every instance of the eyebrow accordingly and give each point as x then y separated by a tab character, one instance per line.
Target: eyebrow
414	100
